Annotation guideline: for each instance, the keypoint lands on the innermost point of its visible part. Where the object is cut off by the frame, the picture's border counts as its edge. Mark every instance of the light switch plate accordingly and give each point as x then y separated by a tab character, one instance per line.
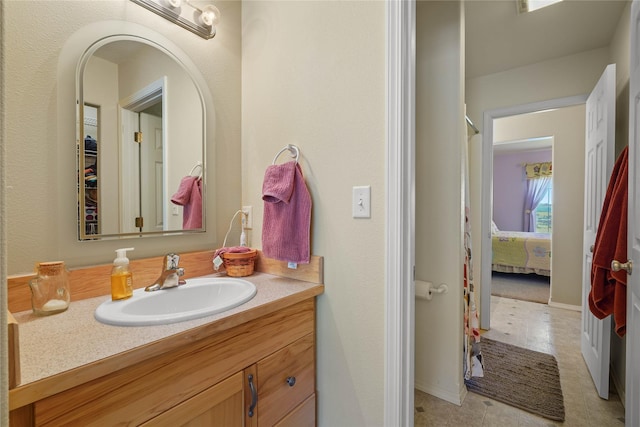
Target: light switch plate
361	204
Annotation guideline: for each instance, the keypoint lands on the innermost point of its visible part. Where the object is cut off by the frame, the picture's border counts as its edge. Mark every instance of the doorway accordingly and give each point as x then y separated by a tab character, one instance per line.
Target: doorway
564	120
521	226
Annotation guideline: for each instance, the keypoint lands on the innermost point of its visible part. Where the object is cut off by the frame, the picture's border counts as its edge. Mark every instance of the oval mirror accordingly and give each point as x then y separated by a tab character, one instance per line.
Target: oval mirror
141	142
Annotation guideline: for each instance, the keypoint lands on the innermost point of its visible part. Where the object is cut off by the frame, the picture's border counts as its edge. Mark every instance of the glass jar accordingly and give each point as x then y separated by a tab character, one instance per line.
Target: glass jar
50	288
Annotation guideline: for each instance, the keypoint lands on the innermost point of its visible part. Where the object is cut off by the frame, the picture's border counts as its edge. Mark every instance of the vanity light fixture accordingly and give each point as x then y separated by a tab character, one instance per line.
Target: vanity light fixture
201	20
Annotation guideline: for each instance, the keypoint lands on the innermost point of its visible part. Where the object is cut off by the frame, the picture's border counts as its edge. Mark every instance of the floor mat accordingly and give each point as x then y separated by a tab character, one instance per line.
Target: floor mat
523	378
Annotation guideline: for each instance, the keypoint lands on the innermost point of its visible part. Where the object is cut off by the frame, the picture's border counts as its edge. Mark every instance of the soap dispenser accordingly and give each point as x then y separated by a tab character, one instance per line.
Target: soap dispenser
121	277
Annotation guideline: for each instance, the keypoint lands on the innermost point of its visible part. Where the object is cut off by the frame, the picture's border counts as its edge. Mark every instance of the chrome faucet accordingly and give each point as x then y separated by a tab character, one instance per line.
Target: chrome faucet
170	276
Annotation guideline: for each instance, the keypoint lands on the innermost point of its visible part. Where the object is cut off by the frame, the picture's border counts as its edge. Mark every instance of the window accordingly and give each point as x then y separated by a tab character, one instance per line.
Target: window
543	213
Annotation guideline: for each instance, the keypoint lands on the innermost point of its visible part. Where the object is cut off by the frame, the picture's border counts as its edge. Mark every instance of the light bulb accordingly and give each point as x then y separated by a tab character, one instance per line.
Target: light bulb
210	15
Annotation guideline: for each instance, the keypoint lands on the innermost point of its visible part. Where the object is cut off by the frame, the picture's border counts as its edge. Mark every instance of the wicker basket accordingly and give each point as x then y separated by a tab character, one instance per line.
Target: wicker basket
239	264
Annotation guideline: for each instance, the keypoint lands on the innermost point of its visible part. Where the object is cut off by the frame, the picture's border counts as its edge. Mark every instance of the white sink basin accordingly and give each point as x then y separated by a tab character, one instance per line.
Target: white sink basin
199	297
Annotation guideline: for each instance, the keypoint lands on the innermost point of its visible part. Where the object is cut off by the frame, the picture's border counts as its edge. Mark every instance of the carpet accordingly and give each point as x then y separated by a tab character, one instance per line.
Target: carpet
522	378
526	287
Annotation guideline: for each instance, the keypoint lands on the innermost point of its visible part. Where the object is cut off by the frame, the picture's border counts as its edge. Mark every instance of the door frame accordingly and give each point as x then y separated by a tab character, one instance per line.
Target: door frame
400	207
632	373
486	206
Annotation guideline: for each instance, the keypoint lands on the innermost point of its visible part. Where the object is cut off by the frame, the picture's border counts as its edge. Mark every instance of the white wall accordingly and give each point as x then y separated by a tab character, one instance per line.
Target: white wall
40	129
4	345
567	126
510	185
313	74
440	135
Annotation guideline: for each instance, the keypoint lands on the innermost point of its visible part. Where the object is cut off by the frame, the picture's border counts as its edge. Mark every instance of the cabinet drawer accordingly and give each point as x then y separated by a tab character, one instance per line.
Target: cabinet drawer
303	416
285	379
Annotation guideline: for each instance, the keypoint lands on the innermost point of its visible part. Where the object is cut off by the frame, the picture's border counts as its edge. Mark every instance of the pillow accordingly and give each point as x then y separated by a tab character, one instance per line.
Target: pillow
494	227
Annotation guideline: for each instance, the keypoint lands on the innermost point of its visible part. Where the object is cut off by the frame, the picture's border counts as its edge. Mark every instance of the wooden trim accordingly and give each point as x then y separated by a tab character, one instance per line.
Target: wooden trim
94	281
312	272
14	351
22	417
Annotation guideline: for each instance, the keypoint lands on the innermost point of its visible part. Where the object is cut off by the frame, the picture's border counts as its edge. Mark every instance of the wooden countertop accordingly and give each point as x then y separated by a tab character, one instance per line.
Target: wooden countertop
64	350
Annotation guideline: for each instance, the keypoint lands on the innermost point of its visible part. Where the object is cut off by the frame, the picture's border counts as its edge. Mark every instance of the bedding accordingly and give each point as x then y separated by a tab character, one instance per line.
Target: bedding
521	252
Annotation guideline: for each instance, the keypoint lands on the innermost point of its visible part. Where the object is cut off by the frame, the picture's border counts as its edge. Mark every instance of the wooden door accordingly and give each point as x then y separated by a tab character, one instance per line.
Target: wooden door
217	406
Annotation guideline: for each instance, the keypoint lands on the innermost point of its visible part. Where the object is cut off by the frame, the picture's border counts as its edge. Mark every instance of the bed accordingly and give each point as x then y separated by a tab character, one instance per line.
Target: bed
521	252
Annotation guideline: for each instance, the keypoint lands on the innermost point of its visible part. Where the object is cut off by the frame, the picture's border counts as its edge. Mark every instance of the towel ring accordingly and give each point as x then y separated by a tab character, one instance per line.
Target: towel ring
198	165
295	152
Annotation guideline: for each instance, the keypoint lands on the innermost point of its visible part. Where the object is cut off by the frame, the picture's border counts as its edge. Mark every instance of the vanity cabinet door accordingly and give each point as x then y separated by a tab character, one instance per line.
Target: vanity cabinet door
217	406
284	381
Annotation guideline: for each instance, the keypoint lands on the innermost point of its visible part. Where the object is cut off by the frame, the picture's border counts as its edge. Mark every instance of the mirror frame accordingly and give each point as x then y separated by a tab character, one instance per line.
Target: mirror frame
82	63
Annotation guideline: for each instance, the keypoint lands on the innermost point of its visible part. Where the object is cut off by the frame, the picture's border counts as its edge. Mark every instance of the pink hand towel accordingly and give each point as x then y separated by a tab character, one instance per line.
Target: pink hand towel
231	250
189	195
286	227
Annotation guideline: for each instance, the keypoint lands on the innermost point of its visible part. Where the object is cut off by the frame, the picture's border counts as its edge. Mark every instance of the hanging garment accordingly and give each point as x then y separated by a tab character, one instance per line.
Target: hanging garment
608	293
90	145
473	364
286	224
189	195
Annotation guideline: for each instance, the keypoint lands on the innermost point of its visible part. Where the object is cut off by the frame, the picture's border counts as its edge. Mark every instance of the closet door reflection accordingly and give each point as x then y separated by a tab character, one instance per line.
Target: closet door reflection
143	192
90	203
152	199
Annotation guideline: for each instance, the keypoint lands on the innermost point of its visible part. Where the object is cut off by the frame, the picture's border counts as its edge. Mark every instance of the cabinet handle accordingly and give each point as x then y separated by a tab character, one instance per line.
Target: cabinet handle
254	395
291	381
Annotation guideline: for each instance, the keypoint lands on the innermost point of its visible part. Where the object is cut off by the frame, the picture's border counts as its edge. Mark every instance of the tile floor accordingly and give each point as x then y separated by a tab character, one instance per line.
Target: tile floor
541	328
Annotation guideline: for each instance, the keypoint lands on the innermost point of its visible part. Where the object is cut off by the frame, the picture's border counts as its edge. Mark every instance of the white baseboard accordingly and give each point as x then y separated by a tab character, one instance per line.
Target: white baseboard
565	306
616	382
440	393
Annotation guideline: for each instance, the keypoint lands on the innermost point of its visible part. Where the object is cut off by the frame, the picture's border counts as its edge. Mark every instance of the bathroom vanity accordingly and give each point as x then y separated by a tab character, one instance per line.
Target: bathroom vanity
253	365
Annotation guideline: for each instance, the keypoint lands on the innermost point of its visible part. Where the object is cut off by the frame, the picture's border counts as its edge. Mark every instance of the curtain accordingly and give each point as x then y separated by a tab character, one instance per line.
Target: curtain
537	170
471	342
536	189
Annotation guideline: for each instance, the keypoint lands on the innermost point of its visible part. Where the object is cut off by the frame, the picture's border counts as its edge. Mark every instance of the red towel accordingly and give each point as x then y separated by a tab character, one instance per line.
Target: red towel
608	288
286	224
189	195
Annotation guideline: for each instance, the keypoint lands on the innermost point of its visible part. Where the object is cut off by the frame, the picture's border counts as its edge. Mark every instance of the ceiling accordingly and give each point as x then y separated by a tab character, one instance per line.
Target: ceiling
498	38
